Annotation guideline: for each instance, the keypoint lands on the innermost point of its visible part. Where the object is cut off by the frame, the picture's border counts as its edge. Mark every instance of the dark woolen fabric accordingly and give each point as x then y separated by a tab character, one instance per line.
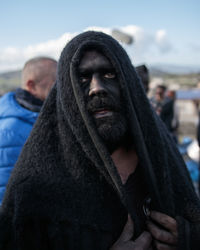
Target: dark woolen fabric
65	193
27	100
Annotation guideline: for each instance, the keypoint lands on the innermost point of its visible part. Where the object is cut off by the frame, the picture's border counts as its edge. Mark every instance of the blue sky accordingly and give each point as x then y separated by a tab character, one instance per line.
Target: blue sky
165	31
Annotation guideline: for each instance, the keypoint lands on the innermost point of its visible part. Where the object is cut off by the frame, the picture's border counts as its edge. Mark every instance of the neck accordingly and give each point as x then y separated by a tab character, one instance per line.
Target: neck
126	161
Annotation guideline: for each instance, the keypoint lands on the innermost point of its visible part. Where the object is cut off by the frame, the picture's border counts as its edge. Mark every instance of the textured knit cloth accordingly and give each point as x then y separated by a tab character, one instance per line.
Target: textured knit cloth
65	192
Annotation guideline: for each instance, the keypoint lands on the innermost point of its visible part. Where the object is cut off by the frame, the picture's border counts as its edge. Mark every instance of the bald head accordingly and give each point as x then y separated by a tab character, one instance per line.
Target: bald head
38	76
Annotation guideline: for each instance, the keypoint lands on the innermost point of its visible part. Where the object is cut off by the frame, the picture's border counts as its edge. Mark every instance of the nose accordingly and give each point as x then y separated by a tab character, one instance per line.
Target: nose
96	86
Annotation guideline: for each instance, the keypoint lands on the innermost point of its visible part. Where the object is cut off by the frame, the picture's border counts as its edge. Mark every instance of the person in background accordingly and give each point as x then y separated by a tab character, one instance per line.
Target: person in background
143	73
164	106
158	99
171	95
19	111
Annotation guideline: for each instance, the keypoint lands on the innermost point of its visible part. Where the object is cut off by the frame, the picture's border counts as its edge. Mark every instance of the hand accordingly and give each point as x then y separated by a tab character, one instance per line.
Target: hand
143	242
166	236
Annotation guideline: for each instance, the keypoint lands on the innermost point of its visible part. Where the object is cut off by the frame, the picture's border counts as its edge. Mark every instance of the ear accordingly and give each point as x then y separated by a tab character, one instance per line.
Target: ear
31	87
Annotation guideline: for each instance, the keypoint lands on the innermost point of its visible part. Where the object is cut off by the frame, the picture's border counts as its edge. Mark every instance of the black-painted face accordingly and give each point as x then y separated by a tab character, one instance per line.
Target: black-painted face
101	88
97	76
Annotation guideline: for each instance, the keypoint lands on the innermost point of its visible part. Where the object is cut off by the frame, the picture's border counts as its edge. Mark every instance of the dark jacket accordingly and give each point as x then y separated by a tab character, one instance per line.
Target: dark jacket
167	113
65	192
165	109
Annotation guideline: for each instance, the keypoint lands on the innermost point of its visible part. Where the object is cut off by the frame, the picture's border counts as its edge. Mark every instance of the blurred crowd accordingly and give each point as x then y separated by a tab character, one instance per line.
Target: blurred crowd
164	102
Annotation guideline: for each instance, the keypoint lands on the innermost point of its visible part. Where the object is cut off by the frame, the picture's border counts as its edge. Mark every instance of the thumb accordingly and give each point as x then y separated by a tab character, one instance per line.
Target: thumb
128	230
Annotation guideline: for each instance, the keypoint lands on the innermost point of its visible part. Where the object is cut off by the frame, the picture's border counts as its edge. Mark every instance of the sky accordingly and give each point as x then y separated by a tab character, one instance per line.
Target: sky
164	31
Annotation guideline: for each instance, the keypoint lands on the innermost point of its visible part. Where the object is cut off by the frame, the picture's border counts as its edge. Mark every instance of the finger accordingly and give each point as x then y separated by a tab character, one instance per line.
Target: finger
161	235
165	220
128	230
144	240
161	246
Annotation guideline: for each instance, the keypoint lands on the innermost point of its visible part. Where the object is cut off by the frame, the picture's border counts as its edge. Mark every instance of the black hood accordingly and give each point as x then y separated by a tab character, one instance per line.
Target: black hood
65	171
155	148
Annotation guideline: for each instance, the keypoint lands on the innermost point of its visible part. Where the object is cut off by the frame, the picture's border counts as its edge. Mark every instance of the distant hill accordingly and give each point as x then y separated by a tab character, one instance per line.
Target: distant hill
156	72
184	80
11	74
9	81
183	76
175	69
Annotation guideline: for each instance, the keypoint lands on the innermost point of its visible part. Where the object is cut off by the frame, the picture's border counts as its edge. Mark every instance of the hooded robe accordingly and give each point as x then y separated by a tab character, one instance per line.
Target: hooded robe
65	192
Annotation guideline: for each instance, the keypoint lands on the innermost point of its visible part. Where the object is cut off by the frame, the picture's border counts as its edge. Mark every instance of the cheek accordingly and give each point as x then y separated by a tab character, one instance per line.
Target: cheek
115	92
44	93
85	91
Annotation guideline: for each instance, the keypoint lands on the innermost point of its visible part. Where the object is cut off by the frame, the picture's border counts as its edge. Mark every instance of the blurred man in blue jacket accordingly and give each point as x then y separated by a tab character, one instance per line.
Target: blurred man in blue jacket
19	111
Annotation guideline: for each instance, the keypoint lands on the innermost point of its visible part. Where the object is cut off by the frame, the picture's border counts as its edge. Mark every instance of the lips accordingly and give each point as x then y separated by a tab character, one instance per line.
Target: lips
102	107
100	113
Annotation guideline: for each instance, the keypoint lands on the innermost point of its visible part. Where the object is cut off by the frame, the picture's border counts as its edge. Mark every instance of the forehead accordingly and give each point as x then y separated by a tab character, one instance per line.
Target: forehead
93	58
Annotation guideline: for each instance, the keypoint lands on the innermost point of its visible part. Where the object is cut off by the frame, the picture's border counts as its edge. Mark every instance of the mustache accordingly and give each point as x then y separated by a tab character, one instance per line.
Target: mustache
98	103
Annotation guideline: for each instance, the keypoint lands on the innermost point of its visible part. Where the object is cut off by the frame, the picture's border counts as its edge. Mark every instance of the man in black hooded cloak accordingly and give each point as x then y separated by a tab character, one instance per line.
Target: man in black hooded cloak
97	153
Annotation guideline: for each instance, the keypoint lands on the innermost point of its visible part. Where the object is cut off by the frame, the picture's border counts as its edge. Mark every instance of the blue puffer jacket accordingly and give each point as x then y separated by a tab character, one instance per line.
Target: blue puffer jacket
16	123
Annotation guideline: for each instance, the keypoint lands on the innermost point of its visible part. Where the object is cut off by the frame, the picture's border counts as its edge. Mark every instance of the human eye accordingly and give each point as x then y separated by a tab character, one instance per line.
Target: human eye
84	78
110	75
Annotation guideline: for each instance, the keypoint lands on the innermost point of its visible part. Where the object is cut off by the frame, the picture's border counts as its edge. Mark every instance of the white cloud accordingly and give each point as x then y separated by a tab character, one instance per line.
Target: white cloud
145	45
143	42
13	58
163	41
